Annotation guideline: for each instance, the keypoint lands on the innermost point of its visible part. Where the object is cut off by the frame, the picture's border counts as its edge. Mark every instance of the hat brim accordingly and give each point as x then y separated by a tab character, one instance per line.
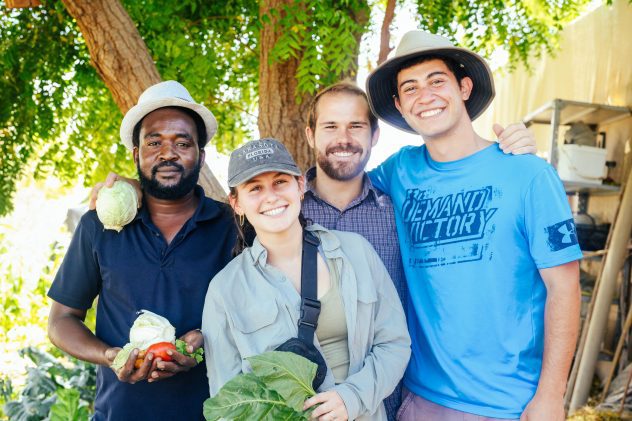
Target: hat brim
251	172
139	111
379	84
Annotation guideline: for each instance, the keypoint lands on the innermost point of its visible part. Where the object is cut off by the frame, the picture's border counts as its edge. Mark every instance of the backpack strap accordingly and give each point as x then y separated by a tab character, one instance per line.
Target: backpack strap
310	306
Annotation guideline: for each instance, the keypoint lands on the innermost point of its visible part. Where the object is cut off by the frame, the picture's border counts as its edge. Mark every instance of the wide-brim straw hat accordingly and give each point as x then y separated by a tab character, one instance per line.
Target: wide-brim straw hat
381	82
165	94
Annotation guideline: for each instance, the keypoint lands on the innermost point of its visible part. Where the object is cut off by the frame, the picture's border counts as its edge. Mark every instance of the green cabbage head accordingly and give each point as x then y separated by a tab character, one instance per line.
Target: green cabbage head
117	206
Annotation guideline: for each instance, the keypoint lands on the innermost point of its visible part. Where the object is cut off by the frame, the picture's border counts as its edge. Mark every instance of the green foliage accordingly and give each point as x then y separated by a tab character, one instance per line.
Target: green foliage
23	321
324	35
22	305
57	117
212	48
68	407
53	389
276	389
522	28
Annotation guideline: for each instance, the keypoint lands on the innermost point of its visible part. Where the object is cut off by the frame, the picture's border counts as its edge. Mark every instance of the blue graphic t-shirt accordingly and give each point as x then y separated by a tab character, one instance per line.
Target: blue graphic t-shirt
473	235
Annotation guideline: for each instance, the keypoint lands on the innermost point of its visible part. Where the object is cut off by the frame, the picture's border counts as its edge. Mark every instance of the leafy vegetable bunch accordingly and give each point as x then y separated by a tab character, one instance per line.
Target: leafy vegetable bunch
152	333
276	389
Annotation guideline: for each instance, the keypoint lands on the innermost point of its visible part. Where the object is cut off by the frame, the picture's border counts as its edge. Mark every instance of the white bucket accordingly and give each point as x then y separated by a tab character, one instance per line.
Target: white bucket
582	163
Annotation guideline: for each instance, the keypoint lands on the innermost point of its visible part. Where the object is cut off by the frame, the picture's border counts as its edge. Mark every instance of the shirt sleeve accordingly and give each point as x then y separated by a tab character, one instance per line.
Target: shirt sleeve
381	175
549	222
78	280
386	361
222	356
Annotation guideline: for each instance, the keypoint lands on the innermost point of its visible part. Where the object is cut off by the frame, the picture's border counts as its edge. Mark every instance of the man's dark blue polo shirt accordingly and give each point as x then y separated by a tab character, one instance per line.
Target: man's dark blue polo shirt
134	270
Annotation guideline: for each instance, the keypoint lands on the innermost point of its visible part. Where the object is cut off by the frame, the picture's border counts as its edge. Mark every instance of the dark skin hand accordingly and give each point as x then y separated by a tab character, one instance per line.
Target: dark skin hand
180	362
109	182
128	373
66	330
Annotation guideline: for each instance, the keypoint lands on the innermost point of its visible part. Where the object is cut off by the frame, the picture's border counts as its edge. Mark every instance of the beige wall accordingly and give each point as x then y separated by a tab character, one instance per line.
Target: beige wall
593	64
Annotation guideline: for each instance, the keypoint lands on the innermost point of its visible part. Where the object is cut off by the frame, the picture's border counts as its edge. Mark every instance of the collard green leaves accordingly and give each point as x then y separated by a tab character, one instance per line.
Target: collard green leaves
289	374
246	397
275	390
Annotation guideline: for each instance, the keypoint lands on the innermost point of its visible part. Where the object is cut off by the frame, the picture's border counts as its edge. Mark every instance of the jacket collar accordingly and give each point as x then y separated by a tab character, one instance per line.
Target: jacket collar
329	244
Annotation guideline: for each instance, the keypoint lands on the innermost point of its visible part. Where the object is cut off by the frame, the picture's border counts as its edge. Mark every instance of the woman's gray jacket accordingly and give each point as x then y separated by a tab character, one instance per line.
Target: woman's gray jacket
251	308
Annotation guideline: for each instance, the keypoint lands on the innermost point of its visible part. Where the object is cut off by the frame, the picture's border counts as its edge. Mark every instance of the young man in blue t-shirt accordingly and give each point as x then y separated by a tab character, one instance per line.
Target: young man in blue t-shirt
488	243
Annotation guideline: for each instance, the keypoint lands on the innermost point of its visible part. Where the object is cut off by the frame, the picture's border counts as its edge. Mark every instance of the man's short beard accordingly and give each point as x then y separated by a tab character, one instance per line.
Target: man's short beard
341	172
152	186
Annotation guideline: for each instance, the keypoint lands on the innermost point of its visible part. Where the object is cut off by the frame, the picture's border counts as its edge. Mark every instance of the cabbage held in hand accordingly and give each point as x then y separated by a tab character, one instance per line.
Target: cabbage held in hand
148	329
117	205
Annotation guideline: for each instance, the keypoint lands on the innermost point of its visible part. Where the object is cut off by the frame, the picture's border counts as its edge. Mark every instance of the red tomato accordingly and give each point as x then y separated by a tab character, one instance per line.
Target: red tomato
160	350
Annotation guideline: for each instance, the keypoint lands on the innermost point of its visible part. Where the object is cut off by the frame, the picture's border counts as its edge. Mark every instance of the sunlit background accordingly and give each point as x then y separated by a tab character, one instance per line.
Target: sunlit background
36	226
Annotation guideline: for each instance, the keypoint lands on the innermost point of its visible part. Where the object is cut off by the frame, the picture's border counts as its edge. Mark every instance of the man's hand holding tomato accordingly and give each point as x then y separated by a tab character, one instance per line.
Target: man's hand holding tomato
154	368
179	362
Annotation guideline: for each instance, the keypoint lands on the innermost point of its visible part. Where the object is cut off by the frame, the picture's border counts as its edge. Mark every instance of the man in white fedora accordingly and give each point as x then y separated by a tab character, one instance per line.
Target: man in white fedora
162	261
488	244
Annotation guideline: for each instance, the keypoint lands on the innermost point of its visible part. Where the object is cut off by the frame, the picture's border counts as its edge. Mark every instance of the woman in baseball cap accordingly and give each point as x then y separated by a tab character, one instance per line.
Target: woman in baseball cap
305	289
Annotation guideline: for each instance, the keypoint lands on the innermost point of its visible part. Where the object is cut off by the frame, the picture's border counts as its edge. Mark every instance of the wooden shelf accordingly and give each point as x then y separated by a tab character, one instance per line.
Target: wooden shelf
573	111
561	112
590	188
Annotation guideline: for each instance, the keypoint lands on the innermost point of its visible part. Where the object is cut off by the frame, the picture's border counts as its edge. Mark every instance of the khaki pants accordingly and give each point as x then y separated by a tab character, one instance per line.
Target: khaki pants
416	408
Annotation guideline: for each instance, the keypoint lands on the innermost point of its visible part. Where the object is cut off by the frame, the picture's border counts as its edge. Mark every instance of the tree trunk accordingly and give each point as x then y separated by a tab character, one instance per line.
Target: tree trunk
280	116
117	51
385	33
22	4
122	60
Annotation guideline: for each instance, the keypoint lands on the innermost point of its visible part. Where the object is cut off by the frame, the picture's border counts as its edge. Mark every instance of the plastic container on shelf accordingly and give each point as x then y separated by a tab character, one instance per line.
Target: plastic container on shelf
586	164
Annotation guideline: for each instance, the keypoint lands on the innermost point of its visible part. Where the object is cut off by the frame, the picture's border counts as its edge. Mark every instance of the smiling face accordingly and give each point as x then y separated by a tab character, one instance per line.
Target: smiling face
271	201
342	137
168	157
431	100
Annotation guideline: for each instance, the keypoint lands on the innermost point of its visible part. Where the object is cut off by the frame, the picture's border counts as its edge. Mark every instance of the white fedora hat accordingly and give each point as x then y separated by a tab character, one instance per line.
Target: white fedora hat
381	82
160	95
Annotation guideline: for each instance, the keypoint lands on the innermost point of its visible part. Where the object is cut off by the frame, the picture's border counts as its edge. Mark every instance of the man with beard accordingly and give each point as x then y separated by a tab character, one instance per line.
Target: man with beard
162	261
342	130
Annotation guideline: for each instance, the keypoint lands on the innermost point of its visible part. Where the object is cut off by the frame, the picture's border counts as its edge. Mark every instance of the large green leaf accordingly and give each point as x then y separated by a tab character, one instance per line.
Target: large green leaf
68	407
246	397
289	374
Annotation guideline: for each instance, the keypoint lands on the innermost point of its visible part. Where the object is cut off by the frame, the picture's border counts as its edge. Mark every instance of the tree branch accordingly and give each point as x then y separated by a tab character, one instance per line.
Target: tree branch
385	33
